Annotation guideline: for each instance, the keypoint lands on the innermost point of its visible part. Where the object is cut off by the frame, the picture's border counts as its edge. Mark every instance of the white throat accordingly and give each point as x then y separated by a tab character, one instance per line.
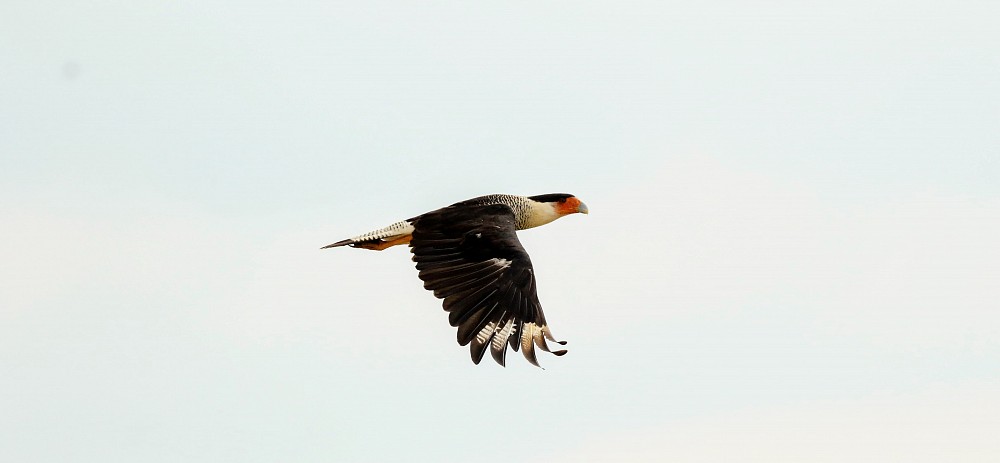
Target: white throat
539	214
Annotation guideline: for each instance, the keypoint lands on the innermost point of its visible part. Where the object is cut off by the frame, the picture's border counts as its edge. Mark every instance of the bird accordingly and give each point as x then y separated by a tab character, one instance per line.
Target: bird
468	255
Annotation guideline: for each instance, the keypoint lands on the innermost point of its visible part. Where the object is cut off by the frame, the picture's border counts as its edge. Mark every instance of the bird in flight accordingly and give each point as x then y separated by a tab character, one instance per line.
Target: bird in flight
468	254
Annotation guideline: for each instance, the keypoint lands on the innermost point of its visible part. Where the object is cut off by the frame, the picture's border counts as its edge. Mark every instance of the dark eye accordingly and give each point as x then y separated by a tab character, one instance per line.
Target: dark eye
562	200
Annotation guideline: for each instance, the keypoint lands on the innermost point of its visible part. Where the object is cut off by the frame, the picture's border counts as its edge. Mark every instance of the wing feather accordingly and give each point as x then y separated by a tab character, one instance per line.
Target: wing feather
469	255
469	305
498	348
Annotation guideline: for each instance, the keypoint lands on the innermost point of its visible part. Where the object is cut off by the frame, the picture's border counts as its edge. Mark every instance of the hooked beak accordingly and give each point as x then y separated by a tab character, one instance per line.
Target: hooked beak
582	208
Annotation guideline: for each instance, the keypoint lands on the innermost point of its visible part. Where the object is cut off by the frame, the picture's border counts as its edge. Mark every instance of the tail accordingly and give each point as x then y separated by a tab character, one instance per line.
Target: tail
339	243
395	234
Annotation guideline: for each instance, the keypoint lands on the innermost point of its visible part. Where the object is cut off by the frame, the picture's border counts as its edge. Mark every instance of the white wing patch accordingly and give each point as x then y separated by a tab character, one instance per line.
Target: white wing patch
500	340
502	263
535	335
484	334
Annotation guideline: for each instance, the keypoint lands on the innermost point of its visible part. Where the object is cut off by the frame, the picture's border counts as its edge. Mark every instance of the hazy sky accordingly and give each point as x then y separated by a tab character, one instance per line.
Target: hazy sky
792	252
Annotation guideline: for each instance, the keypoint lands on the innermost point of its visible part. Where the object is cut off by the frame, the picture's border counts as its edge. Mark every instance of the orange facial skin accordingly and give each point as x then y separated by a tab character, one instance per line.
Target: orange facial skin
570	206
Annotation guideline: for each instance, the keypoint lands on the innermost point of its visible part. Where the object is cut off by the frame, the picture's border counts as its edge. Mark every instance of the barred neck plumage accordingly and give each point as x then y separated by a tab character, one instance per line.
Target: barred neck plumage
528	212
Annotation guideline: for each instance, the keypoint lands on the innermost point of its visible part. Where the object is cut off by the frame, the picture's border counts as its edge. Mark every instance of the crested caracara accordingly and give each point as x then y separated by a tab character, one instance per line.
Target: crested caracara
468	254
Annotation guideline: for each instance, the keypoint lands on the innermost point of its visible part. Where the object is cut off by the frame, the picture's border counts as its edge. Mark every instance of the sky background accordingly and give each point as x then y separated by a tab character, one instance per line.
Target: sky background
792	252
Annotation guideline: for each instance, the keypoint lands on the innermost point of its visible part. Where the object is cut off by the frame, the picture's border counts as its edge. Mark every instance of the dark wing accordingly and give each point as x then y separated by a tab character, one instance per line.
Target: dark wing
470	257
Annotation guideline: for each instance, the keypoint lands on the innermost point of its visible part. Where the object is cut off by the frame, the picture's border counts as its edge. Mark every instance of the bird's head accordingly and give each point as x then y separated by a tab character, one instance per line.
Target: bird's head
571	205
549	207
562	203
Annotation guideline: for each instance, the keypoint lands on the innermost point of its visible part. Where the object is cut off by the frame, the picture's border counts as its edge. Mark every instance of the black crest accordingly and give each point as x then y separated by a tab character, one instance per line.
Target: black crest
551	197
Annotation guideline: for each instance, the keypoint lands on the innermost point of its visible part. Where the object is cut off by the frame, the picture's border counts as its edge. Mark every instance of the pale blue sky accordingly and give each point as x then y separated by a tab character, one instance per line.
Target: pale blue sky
791	255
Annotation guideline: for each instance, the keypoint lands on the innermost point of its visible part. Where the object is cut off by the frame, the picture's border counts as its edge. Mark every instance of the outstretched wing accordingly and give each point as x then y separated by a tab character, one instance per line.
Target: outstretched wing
470	257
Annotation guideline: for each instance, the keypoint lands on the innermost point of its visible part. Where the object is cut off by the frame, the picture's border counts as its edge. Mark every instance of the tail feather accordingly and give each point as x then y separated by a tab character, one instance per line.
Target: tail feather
395	234
338	244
